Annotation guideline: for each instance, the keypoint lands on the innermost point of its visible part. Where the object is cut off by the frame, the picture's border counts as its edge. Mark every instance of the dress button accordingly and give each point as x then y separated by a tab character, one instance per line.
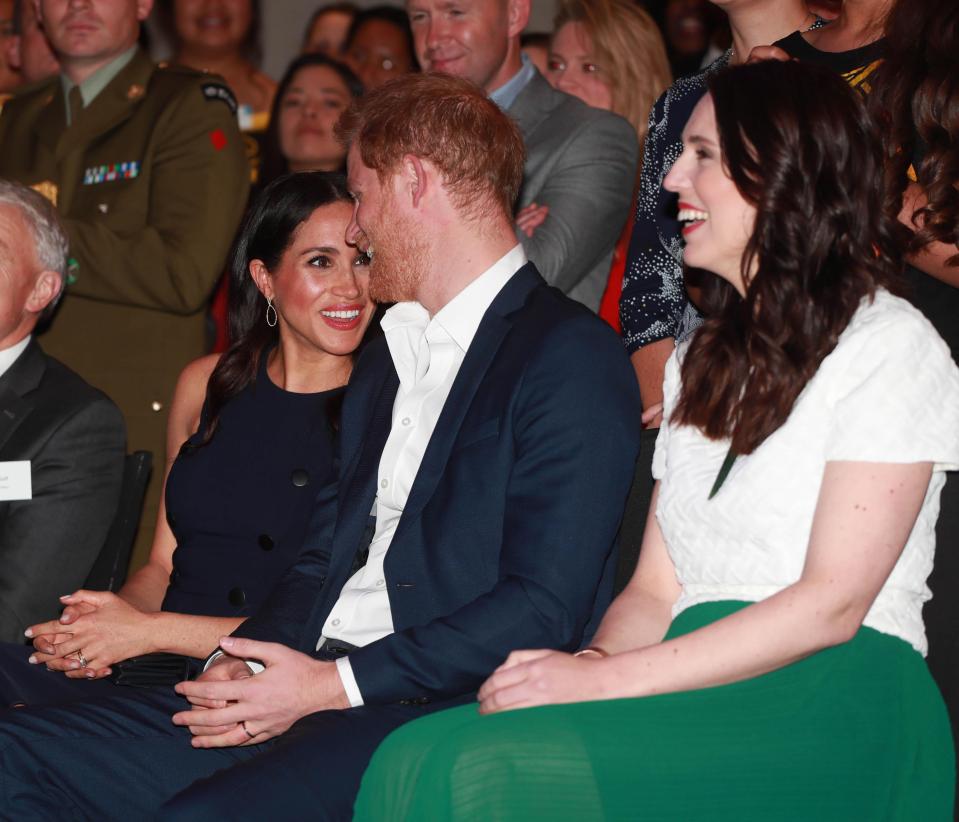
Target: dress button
380	583
335	622
384	483
237	597
406	420
265	541
300	477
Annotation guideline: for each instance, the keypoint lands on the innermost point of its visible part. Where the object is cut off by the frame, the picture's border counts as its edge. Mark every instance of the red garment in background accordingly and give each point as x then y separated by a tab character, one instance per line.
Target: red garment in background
609	305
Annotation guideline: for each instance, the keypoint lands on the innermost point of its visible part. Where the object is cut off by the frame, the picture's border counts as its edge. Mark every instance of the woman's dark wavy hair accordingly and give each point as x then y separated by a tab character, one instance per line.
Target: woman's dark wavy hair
915	102
796	142
274	163
266	234
251	48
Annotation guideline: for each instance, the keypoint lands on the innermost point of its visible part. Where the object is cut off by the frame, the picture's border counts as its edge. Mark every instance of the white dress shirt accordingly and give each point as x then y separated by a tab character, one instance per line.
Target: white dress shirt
10	355
427	354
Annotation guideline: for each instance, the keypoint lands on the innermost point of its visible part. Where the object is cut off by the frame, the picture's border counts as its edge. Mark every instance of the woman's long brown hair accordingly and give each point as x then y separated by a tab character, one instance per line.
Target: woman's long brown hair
915	102
796	142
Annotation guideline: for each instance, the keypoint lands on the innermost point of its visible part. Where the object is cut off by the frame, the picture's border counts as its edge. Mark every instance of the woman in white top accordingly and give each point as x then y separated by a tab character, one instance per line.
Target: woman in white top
766	660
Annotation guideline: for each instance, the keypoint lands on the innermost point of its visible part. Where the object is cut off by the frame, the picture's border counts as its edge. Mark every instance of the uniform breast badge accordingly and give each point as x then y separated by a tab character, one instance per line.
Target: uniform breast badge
109	173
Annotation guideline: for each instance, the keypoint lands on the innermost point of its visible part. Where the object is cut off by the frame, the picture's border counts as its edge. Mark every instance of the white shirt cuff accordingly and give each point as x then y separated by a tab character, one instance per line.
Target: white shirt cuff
255	667
345	670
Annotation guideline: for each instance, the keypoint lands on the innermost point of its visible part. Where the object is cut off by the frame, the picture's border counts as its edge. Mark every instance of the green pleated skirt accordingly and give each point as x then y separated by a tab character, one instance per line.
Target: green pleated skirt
855	732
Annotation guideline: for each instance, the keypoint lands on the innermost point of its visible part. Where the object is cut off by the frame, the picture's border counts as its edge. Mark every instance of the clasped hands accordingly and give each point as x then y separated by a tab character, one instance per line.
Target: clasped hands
98	624
232	706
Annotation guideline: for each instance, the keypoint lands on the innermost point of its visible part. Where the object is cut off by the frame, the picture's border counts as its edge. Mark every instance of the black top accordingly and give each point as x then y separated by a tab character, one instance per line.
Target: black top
855	65
239	506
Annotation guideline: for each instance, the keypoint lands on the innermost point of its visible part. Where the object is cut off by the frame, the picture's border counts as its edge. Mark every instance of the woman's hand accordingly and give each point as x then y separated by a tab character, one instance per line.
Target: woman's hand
530	218
102	626
530	678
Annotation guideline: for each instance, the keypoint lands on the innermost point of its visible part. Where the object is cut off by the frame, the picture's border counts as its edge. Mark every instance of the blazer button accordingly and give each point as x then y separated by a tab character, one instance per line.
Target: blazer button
300	477
265	541
237	597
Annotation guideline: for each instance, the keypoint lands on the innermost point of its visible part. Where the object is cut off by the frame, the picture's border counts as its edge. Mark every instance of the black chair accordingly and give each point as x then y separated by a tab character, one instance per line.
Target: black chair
109	572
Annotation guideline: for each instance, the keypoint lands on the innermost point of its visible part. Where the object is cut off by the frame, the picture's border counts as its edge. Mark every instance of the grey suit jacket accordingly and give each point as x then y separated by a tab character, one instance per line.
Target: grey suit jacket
75	440
581	162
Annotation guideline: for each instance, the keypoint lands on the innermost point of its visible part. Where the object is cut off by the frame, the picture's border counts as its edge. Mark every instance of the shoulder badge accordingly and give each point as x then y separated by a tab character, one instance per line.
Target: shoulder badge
218	91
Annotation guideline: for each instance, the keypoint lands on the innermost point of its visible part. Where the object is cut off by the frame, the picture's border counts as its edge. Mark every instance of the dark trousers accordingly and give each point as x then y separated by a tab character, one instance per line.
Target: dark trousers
120	757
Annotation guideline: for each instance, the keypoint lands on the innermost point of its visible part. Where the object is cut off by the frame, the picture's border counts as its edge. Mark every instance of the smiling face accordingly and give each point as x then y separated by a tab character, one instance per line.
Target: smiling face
466	38
573	68
379	51
308	110
401	259
320	287
89	35
212	26
718	221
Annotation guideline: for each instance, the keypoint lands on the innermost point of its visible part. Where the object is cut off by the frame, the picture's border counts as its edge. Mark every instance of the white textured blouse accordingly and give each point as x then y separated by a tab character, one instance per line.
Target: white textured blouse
888	392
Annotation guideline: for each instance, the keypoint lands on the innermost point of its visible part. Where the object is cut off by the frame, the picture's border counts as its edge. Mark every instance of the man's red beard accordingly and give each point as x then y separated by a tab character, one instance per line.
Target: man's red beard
400	260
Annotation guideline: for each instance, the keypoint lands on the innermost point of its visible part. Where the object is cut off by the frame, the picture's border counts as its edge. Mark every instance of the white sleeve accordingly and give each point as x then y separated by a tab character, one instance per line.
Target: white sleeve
671	386
345	670
896	397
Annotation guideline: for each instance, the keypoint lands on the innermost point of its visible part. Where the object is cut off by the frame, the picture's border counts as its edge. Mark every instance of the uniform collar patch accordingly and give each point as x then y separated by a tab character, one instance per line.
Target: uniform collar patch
114	171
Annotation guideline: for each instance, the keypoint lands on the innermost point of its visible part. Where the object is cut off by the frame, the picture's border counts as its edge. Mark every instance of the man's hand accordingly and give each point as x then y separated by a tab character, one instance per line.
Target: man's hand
529	678
234	708
101	625
530	218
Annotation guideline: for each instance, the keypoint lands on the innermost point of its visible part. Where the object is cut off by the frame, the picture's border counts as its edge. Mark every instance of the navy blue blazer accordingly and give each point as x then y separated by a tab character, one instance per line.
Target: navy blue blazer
510	524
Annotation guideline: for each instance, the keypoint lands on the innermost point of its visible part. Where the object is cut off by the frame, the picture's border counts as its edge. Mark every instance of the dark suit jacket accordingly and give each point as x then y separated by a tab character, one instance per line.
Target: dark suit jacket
511	520
74	438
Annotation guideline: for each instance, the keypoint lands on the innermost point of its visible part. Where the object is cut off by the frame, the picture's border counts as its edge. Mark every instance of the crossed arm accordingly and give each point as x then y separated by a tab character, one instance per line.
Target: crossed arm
864	515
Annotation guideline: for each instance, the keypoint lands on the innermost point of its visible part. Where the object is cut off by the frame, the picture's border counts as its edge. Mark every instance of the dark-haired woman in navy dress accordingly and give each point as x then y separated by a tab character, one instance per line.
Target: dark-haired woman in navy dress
254	430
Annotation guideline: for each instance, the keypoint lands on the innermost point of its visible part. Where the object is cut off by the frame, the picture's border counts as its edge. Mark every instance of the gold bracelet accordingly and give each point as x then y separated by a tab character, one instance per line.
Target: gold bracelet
592	649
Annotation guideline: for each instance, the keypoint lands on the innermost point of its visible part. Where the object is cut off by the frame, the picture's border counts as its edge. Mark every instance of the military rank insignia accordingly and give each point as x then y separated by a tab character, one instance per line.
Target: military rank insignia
47	189
218	91
114	171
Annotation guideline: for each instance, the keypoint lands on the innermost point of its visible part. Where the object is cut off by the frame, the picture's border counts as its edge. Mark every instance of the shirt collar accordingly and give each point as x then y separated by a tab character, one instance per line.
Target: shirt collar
406	323
8	356
507	93
99	80
461	316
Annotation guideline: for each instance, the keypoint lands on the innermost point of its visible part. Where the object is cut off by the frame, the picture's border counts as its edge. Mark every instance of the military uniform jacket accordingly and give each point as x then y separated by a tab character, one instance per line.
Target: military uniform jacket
151	181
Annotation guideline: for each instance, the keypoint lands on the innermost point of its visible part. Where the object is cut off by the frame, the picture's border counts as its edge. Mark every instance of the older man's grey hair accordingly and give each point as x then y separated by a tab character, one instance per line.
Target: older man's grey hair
49	239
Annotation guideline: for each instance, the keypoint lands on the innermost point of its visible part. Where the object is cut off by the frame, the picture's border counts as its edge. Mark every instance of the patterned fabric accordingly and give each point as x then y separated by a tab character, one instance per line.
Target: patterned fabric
888	392
653	305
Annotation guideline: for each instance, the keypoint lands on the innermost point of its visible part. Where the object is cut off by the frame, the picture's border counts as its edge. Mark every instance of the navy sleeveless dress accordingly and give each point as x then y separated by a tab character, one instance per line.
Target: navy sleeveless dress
239	506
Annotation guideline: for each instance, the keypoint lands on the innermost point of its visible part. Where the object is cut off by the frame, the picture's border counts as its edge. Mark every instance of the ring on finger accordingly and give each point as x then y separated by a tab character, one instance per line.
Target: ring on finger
81	657
247	730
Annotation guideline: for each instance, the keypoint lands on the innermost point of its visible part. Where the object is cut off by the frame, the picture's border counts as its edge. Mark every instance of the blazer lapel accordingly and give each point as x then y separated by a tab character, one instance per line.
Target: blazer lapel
358	486
20	379
532	105
489	336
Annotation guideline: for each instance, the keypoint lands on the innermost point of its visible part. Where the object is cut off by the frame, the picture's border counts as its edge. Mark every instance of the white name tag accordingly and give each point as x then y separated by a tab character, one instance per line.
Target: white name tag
15	481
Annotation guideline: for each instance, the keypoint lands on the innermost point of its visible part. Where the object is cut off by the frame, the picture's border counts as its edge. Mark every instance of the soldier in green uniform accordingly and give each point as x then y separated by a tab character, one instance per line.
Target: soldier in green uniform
146	166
